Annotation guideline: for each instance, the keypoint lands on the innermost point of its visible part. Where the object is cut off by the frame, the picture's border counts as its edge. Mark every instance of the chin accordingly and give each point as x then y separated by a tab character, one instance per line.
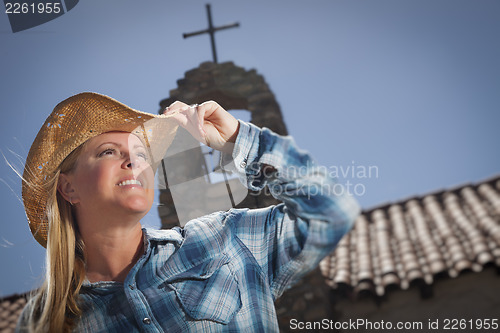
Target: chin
138	205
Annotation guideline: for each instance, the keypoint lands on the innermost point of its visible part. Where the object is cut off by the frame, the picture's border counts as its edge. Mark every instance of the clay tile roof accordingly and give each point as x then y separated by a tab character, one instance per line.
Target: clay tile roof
415	241
10	310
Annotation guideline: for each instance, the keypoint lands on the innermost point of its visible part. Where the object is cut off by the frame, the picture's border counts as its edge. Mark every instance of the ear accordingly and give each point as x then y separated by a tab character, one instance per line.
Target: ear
66	189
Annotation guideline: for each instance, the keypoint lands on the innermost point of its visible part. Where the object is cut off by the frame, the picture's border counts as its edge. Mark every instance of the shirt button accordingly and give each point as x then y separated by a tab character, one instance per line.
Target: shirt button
131	286
146	321
243	164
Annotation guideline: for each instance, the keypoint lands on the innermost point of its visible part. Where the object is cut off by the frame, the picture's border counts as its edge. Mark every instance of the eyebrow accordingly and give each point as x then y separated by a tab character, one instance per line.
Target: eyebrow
119	145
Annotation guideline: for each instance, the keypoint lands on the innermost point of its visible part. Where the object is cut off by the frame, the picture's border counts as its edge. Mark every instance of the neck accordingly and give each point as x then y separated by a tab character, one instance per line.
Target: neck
111	251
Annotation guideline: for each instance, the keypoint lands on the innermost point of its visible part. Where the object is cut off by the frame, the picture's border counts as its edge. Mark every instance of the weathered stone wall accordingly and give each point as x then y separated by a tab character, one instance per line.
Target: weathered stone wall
470	296
307	301
465	299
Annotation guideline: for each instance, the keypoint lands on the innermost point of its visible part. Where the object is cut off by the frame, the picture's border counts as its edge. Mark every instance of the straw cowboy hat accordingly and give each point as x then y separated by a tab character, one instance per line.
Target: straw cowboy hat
74	121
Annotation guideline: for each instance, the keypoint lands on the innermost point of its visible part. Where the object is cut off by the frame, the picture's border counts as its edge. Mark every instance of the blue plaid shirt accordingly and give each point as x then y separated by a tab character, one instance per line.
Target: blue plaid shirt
222	272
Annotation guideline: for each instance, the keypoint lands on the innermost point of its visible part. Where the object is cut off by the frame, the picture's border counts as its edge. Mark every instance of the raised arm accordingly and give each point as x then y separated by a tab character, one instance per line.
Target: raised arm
316	211
287	240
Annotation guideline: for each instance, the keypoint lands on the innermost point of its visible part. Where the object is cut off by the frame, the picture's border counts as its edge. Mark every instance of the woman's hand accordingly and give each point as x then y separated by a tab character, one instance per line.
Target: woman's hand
208	123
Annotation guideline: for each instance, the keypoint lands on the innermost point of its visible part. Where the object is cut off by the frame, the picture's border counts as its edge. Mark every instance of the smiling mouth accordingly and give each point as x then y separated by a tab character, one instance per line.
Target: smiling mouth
130	182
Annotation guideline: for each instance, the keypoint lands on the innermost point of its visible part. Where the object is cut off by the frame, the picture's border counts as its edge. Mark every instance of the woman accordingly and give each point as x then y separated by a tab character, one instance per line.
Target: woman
87	184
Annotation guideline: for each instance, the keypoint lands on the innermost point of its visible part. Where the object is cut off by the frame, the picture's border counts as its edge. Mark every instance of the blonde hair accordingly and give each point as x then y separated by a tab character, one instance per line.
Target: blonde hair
54	306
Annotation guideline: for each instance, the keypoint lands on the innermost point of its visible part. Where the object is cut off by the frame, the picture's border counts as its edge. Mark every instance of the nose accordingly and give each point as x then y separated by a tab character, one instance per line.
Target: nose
131	162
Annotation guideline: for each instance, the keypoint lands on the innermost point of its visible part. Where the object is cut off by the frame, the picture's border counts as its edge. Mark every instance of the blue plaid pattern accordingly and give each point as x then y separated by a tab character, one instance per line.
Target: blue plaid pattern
222	272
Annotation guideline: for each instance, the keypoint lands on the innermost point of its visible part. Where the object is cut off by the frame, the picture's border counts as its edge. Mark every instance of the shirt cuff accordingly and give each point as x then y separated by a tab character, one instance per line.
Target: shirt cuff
243	160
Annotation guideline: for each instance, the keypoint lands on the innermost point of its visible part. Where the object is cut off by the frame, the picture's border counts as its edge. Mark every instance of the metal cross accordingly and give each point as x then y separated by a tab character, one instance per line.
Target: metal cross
211	30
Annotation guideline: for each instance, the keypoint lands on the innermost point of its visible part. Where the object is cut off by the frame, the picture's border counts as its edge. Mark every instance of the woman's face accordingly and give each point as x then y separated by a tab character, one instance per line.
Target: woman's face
113	175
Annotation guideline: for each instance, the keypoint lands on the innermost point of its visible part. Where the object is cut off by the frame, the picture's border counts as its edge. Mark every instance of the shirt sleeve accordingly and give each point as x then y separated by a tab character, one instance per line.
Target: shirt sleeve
290	239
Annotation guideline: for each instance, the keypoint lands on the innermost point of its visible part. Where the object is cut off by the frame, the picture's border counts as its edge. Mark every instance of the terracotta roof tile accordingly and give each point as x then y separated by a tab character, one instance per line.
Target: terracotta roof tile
418	240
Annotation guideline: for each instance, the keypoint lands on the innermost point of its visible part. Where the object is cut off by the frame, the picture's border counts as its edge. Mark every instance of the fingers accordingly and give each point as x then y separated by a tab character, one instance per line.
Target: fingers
208	123
209	108
199	112
189	117
176	105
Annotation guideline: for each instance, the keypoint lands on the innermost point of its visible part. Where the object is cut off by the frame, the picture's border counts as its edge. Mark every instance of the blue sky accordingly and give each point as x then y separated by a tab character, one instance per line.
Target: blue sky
410	88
